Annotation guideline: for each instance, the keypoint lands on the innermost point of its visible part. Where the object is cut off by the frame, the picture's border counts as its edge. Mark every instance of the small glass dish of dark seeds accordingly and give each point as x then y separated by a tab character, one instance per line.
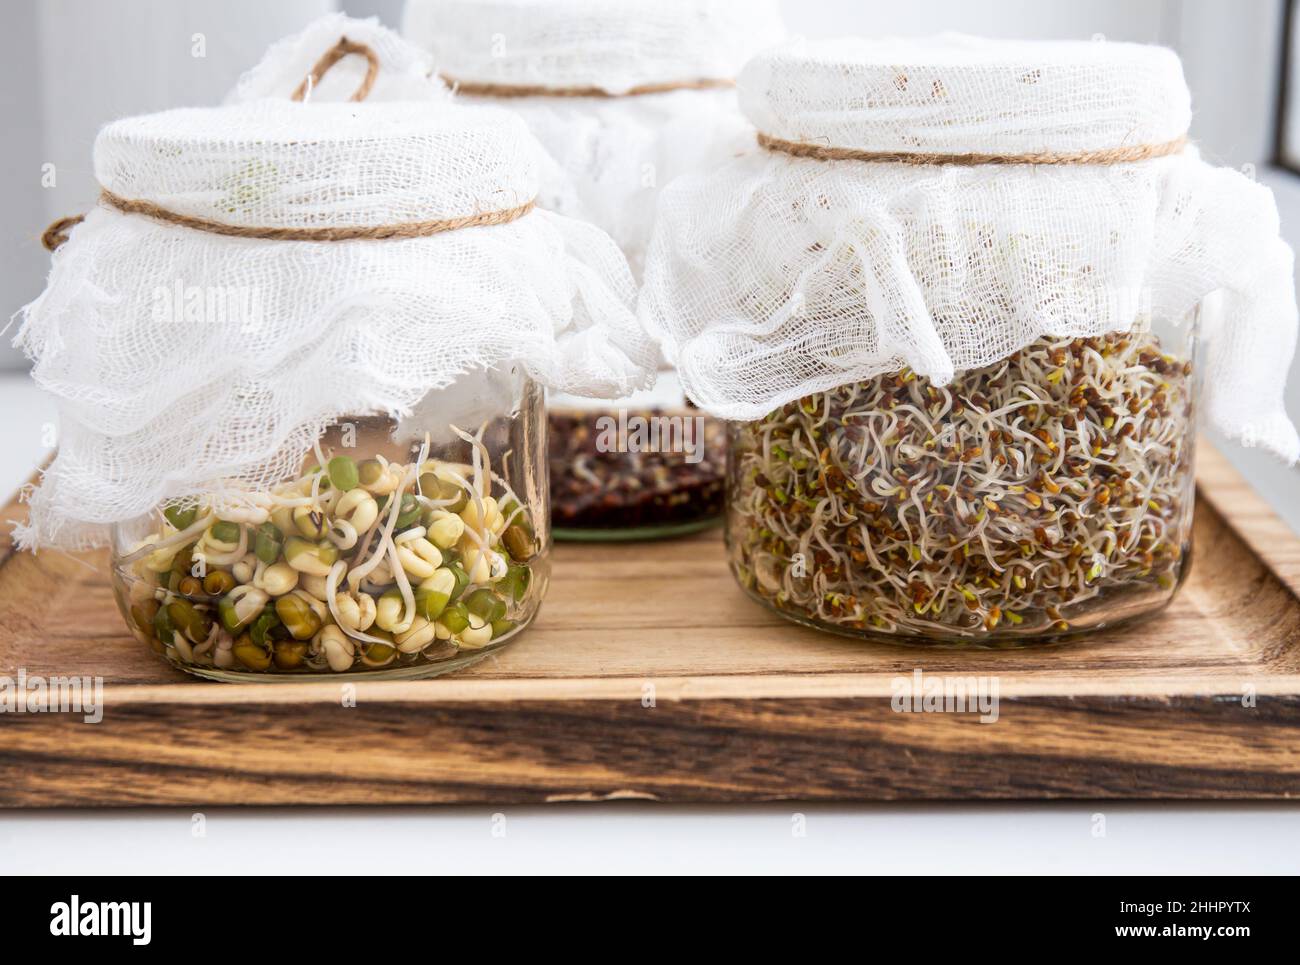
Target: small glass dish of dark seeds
648	467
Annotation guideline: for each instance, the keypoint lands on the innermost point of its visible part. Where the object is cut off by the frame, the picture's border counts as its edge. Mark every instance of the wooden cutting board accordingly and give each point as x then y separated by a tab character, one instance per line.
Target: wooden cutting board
649	675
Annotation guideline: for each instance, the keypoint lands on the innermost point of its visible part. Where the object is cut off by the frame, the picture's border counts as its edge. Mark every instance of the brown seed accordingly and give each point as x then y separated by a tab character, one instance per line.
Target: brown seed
218	582
143	614
517	543
290	654
250	654
378	654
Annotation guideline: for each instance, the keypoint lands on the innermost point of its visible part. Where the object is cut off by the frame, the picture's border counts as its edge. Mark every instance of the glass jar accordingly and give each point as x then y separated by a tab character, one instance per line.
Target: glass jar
403	549
1045	495
645	467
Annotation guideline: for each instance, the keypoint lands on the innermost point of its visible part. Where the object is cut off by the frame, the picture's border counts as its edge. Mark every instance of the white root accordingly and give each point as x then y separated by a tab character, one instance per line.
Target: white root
342	534
362	570
213	634
403	585
189	533
332	601
339	651
226	558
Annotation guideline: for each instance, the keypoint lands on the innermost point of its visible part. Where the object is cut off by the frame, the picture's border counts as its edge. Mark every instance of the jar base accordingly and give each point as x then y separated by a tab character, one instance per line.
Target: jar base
407	671
403	672
1137	609
633	534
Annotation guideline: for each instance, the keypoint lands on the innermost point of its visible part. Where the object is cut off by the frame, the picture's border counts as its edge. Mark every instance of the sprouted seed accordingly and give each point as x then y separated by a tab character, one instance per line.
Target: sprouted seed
349	567
1019	500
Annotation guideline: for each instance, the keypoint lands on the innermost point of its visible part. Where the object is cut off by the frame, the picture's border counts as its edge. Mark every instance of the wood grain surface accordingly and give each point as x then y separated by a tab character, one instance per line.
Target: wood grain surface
649	675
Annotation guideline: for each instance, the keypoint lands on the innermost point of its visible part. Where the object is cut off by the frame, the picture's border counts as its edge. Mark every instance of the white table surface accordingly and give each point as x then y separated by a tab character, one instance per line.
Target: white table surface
637	838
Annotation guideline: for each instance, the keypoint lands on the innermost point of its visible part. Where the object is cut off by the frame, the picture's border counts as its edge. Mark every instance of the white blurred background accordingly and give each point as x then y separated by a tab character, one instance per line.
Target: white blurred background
69	66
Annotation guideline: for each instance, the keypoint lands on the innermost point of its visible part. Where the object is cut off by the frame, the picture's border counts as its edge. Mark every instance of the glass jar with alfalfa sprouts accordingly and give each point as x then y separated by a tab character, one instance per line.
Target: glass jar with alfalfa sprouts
966	377
334	461
1046	493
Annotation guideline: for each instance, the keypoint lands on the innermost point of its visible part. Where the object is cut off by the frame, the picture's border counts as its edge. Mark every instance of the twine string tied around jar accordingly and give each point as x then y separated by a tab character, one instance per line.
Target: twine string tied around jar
1117	155
491	89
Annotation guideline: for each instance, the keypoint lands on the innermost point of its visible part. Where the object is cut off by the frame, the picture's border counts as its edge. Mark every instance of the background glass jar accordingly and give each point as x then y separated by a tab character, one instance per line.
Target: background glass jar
403	549
1044	495
645	467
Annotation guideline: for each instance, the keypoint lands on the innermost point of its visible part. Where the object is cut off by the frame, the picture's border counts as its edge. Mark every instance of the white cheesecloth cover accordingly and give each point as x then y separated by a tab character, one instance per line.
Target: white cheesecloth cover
778	276
182	359
606	153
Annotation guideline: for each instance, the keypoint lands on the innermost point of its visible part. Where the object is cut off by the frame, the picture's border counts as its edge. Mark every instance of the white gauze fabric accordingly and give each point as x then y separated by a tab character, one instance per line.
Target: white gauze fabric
185	361
606	153
407	73
778	276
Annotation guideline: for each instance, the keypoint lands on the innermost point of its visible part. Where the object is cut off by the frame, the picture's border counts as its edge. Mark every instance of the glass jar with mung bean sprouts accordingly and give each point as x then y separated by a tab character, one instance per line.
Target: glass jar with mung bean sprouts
401	549
301	348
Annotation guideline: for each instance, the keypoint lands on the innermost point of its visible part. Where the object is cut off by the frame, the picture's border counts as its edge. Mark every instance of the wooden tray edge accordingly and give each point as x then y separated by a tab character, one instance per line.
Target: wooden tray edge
1248	514
731	750
682	689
